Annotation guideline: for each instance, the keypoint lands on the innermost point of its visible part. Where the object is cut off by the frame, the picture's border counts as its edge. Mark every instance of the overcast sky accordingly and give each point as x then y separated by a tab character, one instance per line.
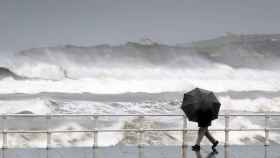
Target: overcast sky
36	23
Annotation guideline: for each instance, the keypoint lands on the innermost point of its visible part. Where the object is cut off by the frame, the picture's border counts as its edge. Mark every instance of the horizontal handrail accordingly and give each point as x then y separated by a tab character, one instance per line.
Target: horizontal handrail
123	115
134	130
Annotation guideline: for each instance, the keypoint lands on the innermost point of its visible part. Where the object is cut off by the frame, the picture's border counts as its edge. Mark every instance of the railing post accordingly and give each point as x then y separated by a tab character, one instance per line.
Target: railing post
140	132
95	132
4	132
226	130
266	130
48	132
95	138
184	132
140	138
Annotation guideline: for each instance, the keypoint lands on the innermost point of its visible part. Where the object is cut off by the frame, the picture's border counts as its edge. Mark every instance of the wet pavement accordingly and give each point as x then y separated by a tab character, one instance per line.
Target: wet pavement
124	151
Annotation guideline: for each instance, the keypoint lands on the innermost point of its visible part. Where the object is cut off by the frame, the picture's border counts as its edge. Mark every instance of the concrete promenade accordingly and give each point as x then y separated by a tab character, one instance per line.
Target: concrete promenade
123	151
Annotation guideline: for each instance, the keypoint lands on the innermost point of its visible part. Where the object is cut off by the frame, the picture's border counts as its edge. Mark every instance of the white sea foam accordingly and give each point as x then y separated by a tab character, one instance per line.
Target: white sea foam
37	106
218	78
40	70
260	104
45	105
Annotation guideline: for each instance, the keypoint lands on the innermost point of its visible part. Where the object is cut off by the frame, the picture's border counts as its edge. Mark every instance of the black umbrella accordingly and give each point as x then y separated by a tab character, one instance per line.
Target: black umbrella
199	101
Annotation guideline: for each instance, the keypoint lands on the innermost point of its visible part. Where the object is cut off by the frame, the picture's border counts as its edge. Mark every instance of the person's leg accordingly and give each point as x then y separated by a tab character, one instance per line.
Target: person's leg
201	133
211	139
209	136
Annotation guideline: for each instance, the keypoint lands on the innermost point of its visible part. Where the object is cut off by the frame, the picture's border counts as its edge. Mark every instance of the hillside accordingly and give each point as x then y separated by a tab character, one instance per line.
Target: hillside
261	51
254	50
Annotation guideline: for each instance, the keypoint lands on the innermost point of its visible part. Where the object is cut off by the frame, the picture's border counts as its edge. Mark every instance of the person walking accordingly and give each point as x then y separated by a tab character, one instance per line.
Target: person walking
201	106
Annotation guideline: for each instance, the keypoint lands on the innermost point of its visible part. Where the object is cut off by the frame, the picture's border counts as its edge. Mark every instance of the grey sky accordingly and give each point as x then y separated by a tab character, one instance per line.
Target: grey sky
37	23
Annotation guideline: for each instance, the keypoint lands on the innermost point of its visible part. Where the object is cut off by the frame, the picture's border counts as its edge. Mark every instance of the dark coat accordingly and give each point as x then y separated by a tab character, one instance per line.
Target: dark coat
204	118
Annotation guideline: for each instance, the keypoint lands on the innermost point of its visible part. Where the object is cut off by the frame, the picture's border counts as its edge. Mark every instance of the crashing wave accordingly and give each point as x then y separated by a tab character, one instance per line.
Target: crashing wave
70	61
6	73
246	63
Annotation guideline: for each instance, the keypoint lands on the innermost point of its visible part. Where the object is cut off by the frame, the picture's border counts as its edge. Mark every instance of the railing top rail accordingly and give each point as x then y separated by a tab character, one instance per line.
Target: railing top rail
123	115
135	130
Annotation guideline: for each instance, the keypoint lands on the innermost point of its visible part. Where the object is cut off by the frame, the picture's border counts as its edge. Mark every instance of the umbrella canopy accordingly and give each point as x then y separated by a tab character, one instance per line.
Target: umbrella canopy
198	101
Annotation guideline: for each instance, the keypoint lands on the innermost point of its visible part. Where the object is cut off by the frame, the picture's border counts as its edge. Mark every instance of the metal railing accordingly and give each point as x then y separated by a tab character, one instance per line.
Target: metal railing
140	131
